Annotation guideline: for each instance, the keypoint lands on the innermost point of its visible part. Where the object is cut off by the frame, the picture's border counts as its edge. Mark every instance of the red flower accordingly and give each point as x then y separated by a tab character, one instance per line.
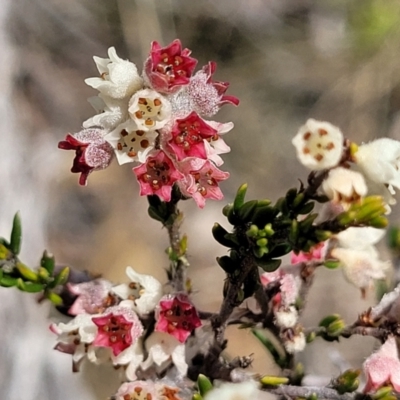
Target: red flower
188	136
157	176
169	67
93	153
177	316
118	329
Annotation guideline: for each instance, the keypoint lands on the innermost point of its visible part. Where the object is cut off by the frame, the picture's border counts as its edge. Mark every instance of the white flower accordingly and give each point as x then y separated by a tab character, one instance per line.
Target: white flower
110	112
344	186
144	290
216	145
235	391
361	267
118	78
75	336
359	238
164	349
319	145
149	109
380	161
132	357
130	143
296	343
286	317
358	256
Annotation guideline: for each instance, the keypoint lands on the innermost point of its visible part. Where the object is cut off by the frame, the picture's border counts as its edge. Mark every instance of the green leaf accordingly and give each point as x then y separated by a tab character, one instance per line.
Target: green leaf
8	281
307	208
155	214
246	211
16	235
326	321
61	278
221	235
280	250
29	287
279	359
54	298
48	262
267	264
204	384
264	215
227	264
183	245
240	196
26	272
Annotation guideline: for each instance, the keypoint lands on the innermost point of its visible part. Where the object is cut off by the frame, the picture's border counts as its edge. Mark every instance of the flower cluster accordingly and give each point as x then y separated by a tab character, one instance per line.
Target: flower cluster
112	323
375	165
350	173
156	120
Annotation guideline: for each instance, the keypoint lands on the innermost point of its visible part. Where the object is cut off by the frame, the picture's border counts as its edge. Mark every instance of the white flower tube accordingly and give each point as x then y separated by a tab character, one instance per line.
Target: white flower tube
344	186
144	290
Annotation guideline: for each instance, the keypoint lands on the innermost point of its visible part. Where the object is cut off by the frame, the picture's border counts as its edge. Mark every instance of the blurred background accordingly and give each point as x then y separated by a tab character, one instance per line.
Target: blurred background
287	60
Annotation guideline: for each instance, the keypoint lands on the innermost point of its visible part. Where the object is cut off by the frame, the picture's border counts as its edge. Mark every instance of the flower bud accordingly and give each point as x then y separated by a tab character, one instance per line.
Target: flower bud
269	380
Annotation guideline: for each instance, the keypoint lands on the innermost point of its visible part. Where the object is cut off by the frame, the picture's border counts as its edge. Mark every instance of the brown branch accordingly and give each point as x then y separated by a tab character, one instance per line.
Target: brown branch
294	392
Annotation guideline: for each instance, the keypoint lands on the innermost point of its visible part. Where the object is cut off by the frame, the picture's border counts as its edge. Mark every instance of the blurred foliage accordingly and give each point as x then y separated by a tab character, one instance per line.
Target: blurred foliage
371	22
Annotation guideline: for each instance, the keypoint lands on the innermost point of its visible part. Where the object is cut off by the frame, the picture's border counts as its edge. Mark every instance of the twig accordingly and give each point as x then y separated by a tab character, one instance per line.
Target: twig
293	392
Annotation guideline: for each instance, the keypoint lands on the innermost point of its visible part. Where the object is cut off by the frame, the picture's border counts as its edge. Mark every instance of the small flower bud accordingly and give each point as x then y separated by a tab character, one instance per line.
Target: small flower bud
269	380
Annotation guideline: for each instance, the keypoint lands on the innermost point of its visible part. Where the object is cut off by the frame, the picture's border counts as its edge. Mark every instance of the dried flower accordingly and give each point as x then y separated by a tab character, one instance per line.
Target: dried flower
93	297
93	153
206	95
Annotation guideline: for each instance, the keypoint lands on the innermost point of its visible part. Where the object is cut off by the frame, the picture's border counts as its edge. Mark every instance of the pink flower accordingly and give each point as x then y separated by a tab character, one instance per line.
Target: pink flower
209	96
118	329
93	153
288	290
188	136
157	176
383	367
316	253
177	316
93	297
169	67
201	180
